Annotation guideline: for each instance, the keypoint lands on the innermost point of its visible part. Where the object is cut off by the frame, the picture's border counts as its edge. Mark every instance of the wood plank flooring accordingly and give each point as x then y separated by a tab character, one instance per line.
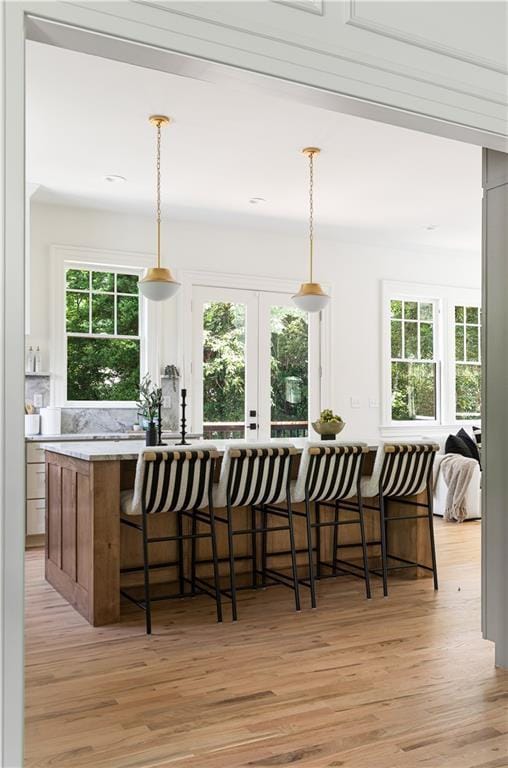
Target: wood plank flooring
391	683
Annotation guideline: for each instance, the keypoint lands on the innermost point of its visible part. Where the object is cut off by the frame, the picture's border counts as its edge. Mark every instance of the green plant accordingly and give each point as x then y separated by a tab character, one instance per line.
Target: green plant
329	417
150	399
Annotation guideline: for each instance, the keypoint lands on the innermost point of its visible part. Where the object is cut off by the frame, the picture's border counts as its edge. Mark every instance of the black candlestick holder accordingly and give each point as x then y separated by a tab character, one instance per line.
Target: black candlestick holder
183	422
159	427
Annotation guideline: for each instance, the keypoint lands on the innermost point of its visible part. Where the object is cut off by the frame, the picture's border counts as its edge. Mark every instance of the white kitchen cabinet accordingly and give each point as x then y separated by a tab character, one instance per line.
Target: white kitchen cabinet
35	489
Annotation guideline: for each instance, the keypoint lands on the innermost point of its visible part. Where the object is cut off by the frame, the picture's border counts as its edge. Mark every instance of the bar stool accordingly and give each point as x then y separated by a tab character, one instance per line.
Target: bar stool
179	481
329	475
401	470
257	476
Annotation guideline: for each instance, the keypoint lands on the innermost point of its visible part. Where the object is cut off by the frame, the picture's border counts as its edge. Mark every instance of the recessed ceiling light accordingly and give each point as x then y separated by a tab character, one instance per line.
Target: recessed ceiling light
256	200
431	227
114	178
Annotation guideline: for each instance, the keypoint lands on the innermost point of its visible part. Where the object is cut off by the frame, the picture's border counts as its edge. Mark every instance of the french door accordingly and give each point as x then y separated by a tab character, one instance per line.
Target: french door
255	365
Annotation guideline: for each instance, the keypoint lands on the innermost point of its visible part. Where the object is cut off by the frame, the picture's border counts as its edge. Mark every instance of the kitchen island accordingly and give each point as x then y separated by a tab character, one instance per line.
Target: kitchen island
85	548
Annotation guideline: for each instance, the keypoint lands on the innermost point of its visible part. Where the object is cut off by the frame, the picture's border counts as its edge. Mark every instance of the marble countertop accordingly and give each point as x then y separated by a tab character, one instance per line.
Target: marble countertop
119	450
83	436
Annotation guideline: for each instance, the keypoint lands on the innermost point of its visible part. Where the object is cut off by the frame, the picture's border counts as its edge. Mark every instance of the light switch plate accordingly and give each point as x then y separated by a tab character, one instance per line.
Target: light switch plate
373	402
38	400
355	402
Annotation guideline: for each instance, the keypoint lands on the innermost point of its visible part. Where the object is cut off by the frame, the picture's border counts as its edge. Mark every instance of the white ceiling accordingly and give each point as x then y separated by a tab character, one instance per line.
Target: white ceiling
87	118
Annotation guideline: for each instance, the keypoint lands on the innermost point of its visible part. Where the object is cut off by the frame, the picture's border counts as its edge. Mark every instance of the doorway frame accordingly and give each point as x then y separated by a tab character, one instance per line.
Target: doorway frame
86	28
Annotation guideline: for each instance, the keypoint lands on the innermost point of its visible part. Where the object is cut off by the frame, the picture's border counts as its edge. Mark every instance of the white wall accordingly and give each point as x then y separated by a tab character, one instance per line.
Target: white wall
353	270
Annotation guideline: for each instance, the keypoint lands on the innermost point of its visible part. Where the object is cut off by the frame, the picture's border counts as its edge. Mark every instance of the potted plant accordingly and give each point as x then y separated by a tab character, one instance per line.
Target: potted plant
328	425
149	405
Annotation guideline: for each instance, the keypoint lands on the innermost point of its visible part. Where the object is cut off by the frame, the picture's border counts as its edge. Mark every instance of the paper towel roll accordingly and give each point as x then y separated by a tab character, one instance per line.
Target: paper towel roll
51	421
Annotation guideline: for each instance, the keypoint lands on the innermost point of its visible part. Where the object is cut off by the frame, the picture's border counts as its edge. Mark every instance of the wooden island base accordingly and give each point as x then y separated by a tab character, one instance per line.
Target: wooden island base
85	547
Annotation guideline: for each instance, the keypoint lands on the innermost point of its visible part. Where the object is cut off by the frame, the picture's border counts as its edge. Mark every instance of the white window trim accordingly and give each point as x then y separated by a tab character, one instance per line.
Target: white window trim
445	297
61	257
190	279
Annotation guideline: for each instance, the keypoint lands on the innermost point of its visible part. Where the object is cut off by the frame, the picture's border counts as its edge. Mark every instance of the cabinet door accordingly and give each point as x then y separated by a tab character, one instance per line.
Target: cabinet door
34	453
35	516
35	481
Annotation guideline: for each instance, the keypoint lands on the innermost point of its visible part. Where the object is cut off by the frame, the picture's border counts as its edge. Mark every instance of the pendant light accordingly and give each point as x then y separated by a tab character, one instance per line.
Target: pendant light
158	283
311	297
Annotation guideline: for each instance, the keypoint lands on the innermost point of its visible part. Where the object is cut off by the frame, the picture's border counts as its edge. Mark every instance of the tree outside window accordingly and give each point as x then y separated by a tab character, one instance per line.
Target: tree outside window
468	369
413	364
102	333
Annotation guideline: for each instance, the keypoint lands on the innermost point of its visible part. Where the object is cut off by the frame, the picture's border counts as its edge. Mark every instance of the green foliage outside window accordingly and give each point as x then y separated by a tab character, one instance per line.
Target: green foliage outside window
224	363
413	370
468	371
101	306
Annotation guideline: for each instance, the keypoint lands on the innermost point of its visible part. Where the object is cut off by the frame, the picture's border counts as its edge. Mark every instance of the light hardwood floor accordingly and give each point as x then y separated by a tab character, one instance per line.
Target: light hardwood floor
391	683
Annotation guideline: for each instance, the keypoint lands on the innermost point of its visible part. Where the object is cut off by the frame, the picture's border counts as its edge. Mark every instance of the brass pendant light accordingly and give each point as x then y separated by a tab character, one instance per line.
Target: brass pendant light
158	283
311	297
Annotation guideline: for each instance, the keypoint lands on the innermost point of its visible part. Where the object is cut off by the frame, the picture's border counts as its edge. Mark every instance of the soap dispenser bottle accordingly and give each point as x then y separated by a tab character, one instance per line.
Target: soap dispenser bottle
30	361
38	361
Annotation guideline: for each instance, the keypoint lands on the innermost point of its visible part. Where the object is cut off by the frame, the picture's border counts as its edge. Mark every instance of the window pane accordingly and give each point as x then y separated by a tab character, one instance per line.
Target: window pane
77	312
103	281
289	372
471	314
396	309
127	283
468	391
426	341
127	315
459	314
426	311
472	349
411	310
396	338
78	278
102	369
411	340
413	391
224	370
459	342
103	313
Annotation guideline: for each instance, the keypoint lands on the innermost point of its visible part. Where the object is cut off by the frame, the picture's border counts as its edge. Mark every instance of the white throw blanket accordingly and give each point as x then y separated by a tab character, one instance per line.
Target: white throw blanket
457	472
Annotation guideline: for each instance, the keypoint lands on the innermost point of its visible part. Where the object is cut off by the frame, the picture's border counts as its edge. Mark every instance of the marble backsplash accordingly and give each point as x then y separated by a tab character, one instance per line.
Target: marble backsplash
37	385
103	420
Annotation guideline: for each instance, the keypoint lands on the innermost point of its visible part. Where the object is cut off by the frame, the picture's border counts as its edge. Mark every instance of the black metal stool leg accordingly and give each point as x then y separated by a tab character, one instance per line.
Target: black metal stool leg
254	548
335	538
310	554
317	509
146	572
193	552
364	550
264	518
293	555
232	576
180	554
432	541
384	557
216	577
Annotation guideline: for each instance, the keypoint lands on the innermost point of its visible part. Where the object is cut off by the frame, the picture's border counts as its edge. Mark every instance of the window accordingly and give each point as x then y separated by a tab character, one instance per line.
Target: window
413	364
103	344
431	363
468	371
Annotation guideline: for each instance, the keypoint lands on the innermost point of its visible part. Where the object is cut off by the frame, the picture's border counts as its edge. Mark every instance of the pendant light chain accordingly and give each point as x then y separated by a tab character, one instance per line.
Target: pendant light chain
311	213
158	171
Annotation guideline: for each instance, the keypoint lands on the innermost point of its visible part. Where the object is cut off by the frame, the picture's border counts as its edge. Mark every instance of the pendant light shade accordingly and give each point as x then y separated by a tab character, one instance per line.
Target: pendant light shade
311	297
158	284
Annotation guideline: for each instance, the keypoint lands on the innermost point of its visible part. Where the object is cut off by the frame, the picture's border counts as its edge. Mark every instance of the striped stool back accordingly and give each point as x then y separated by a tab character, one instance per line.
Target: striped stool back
173	480
256	475
329	472
407	468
